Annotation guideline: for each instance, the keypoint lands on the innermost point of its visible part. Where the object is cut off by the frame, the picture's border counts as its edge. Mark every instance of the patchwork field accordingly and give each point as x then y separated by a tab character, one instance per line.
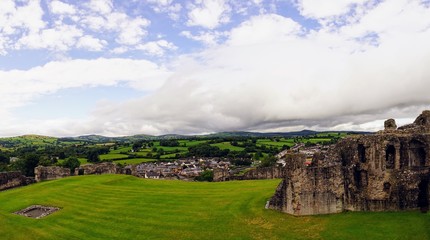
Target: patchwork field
125	207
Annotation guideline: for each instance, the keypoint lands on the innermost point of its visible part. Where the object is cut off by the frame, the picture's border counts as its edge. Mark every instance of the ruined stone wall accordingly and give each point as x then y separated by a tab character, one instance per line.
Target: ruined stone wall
42	173
221	174
308	190
100	168
264	173
389	170
383	171
12	179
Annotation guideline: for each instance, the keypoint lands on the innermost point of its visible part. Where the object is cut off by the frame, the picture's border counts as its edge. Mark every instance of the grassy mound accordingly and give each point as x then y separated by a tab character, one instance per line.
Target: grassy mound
125	207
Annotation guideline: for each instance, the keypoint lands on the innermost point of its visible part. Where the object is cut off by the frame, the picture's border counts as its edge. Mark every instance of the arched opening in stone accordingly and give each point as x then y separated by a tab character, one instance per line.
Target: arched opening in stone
404	156
361	153
344	159
81	171
417	153
357	178
387	186
390	156
423	195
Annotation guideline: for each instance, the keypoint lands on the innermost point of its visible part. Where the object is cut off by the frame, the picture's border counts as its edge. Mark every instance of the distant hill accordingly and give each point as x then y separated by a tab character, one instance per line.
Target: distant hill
44	140
101	139
34	140
278	134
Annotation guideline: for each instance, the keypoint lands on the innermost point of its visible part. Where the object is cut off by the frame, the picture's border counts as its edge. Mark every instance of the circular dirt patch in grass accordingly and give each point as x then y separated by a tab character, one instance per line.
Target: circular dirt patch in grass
37	211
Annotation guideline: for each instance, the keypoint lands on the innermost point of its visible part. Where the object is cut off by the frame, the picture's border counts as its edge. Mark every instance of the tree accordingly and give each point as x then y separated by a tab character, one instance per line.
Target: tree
285	147
137	145
169	143
4	158
206	175
206	150
71	163
61	155
241	162
26	164
268	161
258	155
45	161
93	156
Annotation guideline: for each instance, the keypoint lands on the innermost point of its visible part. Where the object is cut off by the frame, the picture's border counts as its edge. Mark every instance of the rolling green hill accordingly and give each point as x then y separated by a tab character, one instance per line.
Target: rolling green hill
27	140
125	207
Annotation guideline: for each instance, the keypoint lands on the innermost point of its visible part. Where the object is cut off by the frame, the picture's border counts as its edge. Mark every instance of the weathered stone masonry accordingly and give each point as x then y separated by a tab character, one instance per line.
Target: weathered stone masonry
388	170
13	179
42	173
221	174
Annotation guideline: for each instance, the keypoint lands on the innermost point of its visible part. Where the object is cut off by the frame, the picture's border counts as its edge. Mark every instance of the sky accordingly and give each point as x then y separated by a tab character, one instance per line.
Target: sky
116	67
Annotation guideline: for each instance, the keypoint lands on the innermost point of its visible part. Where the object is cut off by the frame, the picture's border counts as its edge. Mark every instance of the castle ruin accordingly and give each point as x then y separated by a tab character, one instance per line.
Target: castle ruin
385	171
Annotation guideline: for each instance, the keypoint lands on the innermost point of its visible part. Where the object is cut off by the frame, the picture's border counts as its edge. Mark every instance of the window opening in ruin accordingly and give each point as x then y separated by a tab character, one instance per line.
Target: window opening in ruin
422	156
390	156
423	195
417	154
344	159
387	186
404	157
357	178
361	153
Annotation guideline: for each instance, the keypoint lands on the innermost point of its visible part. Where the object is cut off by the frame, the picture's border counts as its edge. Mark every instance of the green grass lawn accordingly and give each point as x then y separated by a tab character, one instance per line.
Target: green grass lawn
135	161
112	156
83	160
125	207
121	149
190	143
227	145
317	140
279	144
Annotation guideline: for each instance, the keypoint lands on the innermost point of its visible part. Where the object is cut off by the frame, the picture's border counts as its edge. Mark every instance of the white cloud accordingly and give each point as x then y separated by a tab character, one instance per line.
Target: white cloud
270	73
326	8
156	48
91	25
55	76
166	6
209	38
209	13
23	18
119	50
284	79
91	43
131	31
60	38
264	28
59	7
101	6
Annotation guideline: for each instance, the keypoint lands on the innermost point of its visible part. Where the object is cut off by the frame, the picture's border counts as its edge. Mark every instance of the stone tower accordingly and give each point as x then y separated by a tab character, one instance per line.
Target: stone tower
388	170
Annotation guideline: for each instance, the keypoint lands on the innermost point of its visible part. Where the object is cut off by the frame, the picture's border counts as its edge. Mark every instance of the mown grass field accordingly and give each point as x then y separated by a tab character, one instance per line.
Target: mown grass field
282	142
135	161
112	156
125	207
227	145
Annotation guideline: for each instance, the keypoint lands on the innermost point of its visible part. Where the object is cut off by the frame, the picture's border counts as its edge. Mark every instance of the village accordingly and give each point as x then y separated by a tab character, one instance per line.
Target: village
182	169
190	168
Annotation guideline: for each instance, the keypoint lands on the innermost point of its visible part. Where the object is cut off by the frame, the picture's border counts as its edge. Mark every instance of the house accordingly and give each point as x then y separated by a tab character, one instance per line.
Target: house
152	175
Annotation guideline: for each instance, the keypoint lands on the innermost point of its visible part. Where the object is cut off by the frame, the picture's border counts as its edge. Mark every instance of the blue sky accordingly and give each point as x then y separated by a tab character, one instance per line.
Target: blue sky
198	66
